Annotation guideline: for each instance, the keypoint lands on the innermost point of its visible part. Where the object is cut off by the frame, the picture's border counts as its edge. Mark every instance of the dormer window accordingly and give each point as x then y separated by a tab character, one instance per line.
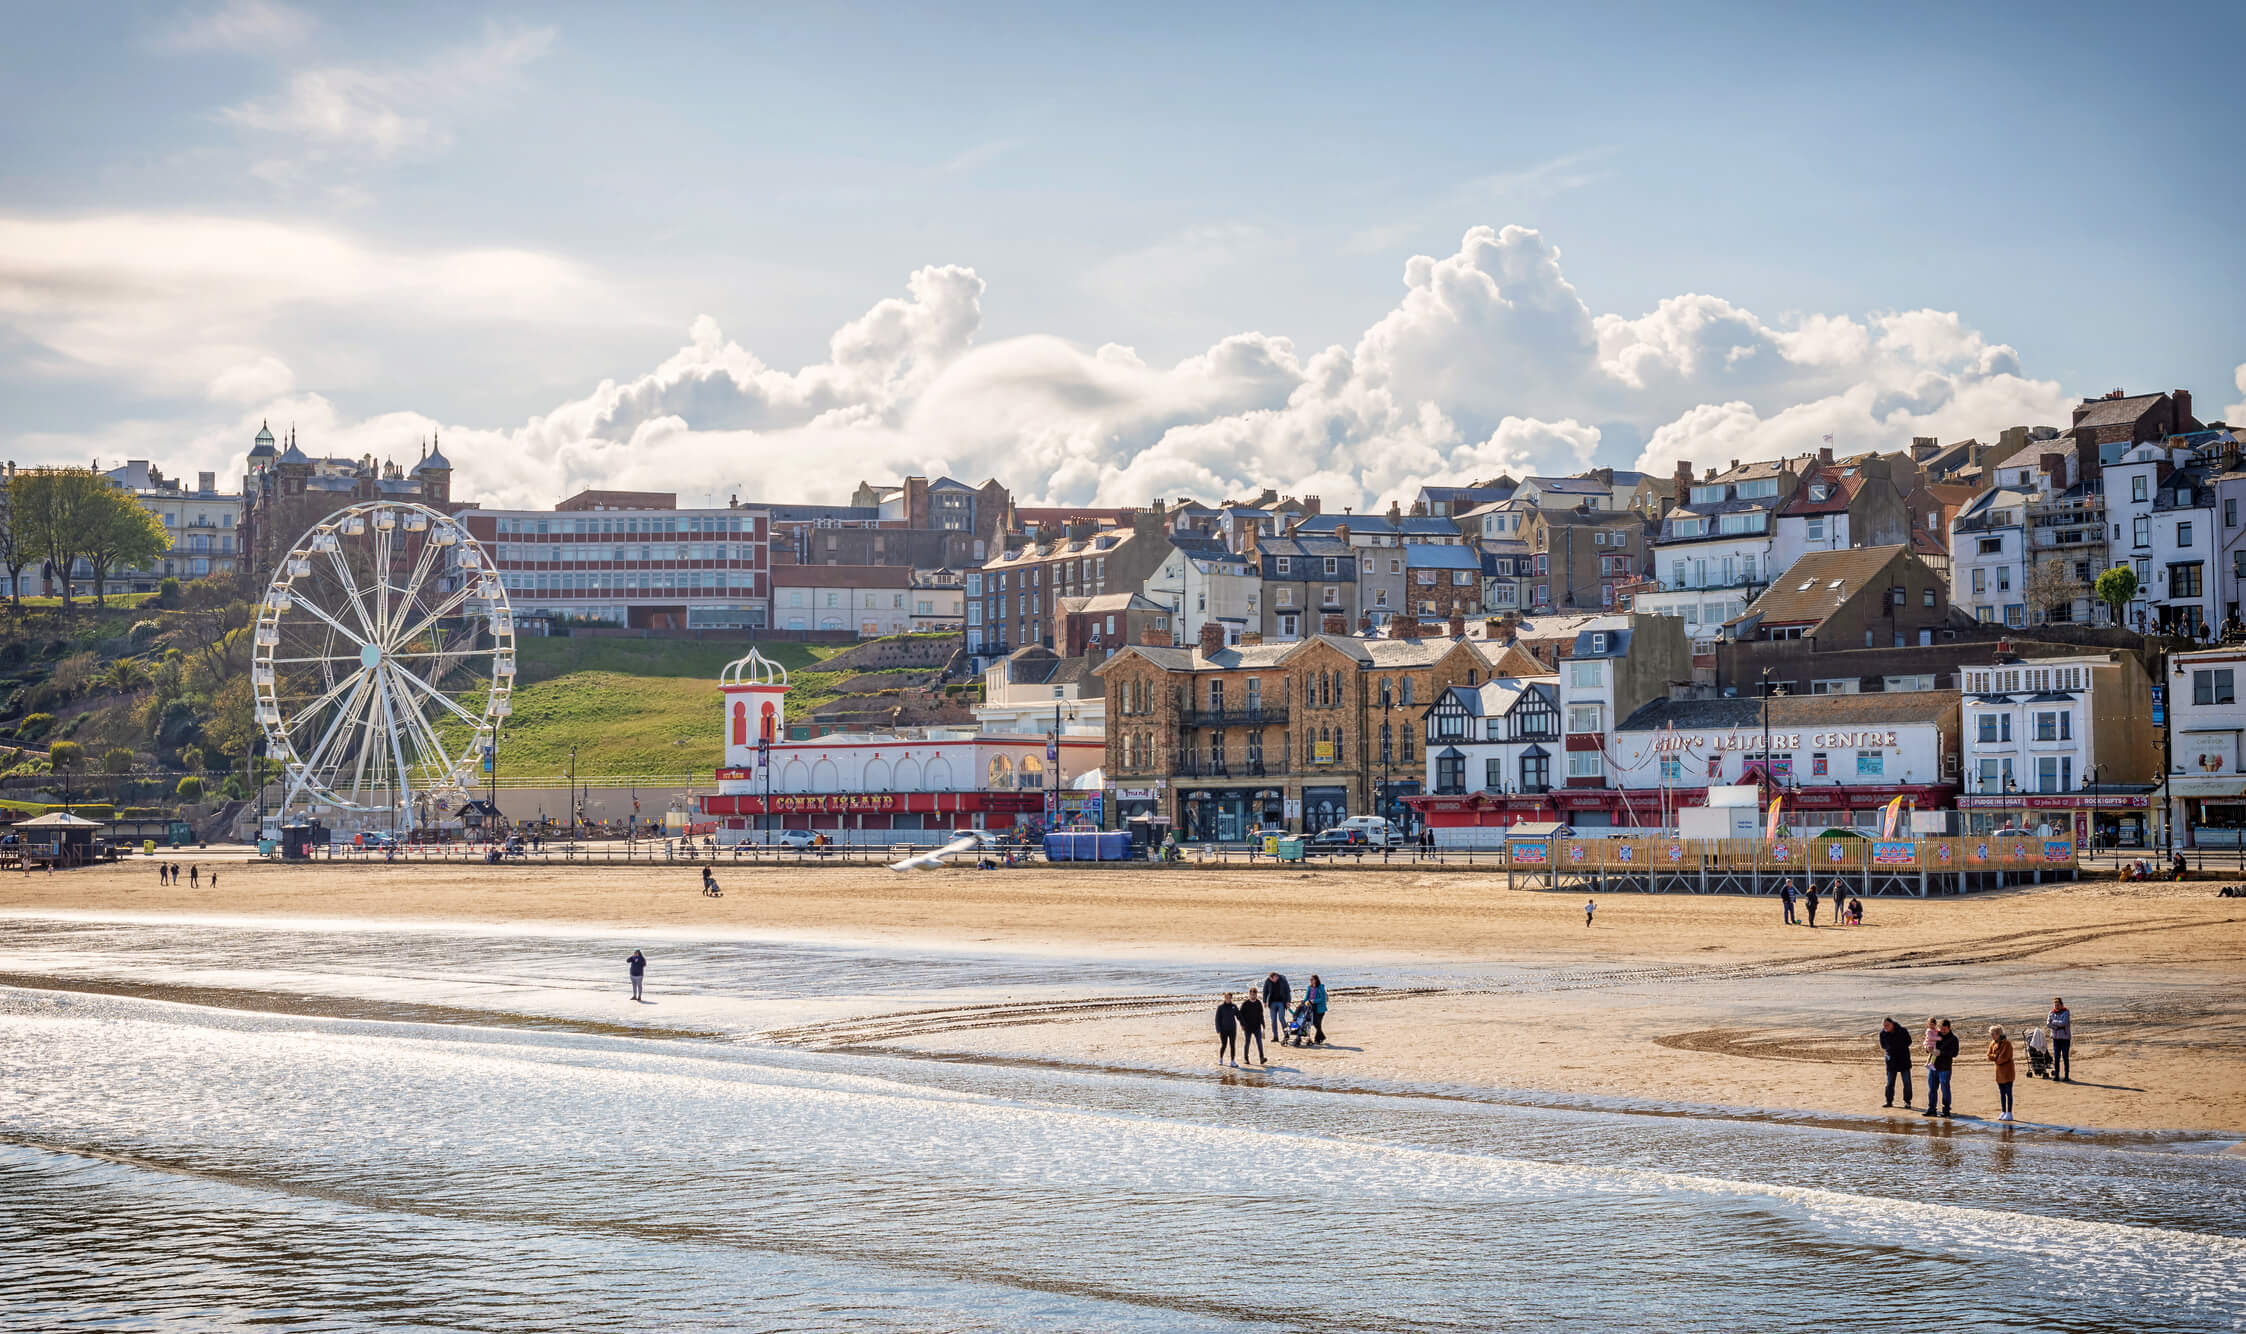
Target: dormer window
1820	493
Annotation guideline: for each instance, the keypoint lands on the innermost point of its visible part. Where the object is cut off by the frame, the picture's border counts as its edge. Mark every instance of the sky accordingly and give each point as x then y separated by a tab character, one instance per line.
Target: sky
1106	255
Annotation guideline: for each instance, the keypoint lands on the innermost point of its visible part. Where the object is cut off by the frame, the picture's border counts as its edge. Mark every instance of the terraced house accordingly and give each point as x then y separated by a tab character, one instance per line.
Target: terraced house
1221	739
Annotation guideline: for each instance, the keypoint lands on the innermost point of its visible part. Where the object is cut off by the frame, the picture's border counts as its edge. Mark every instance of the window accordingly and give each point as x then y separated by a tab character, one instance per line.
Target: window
1583	718
1493	775
1817	529
2138	488
2183	534
2003	578
2054	773
1870	763
1929	597
1672	768
1333	565
1838	685
2054	725
2230	512
2212	686
2140	530
1407	690
2183	580
1586	764
1995	727
1980	580
1536	770
1333	597
1688	527
1281	564
1588	673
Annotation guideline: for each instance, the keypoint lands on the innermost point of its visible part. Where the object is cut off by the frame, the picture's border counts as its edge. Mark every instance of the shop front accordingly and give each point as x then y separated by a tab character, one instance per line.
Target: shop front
742	814
1229	814
1137	803
1323	808
2105	815
2210	810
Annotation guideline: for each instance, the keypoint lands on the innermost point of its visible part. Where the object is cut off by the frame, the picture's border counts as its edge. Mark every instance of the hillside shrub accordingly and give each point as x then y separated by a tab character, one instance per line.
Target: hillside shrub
167	593
191	788
143	634
34	726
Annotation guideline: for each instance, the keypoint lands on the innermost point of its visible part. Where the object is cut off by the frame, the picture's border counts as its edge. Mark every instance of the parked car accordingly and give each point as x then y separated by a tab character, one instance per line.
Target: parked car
1340	838
795	840
1376	829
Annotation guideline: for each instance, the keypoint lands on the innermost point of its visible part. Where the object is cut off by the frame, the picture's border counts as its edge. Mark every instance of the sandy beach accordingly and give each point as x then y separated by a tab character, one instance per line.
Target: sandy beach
1669	998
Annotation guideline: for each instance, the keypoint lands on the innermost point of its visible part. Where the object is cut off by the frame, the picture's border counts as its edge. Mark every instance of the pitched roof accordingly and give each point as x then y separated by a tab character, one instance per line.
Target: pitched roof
1102	603
1422	556
1844	490
1793	711
1821	583
1570	486
841	576
2116	411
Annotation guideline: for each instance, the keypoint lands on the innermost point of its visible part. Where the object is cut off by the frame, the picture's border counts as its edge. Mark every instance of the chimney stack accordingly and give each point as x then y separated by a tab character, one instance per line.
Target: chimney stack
2183	408
1333	623
1404	627
1458	624
1924	447
1341	533
1825	454
1310	506
1212	638
1158	638
1250	638
1364	622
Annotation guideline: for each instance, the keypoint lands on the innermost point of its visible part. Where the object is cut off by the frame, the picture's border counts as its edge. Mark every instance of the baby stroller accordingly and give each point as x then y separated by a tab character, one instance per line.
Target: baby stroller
2039	1054
1301	1023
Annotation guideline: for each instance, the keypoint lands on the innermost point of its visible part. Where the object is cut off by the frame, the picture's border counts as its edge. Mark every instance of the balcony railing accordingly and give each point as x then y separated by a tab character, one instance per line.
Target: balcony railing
1204	768
1240	717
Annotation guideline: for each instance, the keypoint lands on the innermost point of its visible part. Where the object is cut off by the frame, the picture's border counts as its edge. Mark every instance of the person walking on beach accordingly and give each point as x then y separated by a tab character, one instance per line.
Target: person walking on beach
1251	1026
1314	996
638	964
2061	1025
1895	1043
1228	1022
1812	901
1938	1070
1786	896
1590	906
1277	996
1840	905
175	875
163	874
2000	1056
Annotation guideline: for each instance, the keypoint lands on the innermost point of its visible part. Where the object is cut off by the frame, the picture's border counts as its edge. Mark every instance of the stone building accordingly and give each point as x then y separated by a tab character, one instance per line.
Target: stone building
1302	734
285	491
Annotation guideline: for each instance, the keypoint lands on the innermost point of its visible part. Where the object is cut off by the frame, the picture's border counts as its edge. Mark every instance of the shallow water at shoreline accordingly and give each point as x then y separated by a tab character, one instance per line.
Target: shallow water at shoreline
185	1165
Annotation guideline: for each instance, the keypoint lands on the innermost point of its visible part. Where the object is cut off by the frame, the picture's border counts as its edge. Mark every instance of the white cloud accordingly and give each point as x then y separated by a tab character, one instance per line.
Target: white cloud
1489	362
2235	414
383	113
255	26
201	304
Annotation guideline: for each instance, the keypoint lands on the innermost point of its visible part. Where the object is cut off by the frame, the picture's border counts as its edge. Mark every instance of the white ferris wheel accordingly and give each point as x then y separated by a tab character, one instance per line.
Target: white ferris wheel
384	662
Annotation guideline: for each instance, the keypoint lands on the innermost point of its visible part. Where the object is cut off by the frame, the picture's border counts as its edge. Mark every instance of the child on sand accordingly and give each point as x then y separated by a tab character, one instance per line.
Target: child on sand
1590	906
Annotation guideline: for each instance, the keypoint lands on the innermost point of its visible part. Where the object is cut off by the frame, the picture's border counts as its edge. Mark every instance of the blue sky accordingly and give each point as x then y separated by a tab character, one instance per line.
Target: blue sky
1745	228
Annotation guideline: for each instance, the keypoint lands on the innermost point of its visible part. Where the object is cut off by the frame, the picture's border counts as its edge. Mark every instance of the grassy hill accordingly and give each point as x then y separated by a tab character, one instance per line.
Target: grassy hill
635	706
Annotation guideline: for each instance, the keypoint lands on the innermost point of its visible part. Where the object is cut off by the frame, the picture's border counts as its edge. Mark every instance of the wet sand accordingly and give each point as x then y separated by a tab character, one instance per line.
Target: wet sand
1672	998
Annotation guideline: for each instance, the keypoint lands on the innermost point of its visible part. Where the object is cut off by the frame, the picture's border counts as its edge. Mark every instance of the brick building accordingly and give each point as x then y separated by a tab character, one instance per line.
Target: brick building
1582	556
631	559
1016	598
285	491
1302	734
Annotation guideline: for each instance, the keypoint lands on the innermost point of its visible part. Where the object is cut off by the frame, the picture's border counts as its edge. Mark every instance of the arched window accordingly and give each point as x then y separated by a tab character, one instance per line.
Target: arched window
1387	744
1001	774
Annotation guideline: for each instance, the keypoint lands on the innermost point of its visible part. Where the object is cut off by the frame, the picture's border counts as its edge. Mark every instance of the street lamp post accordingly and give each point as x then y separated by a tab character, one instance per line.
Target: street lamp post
573	793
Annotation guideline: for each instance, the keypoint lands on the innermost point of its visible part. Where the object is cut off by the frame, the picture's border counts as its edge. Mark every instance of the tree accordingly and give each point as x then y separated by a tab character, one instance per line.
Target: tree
191	788
2116	587
65	755
120	534
191	758
117	760
2050	585
51	509
14	554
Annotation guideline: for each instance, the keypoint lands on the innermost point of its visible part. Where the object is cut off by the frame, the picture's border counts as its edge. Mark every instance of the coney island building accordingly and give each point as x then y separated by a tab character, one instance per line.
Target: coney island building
879	787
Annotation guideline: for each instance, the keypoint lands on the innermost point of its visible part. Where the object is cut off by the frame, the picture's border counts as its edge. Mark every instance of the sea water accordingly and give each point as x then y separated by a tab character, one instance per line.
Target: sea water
269	1164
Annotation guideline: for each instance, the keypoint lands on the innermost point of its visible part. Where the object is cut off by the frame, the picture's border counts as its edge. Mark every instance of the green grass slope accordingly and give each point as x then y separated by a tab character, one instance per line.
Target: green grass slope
634	706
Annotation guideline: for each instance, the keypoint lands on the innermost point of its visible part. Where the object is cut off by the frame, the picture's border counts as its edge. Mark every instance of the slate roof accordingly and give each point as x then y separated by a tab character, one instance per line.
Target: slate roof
2116	411
1845	489
1421	556
1792	712
1821	583
1572	486
1323	525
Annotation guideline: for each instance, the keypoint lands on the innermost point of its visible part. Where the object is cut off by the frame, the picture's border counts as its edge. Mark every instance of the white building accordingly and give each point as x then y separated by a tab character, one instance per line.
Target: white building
204	524
1201	580
2072	729
2162	507
1500	736
1716	550
1029	689
1988	565
2206	782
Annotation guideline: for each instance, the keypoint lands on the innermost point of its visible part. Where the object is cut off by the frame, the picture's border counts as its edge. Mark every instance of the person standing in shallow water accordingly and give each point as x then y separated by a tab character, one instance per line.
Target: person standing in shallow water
638	964
1938	1070
1251	1026
1228	1025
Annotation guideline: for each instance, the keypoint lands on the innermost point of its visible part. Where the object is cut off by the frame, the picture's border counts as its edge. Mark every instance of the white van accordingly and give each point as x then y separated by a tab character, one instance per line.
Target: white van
1376	829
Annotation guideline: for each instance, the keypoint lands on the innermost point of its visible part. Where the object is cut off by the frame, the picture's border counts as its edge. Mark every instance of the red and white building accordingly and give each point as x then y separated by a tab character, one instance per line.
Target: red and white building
1839	759
869	787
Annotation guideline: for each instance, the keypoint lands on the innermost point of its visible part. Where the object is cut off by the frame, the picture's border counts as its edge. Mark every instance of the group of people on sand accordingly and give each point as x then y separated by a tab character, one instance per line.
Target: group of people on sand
167	873
1241	1021
1940	1047
1848	910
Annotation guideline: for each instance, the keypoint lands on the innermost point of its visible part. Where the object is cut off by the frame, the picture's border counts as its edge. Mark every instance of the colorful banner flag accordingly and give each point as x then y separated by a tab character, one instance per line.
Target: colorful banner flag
1894	817
1772	832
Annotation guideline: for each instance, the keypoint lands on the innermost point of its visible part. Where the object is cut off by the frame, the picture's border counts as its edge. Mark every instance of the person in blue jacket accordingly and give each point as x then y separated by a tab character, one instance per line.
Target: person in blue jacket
1314	996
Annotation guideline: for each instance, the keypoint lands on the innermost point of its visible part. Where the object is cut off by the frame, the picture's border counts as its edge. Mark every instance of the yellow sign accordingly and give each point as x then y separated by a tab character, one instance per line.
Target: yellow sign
1321	752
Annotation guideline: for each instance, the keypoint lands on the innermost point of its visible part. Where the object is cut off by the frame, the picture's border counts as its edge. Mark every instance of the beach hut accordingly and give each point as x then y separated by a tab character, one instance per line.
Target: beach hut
59	837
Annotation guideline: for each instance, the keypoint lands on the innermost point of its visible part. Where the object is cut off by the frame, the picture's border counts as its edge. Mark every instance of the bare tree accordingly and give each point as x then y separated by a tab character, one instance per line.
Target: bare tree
2051	584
